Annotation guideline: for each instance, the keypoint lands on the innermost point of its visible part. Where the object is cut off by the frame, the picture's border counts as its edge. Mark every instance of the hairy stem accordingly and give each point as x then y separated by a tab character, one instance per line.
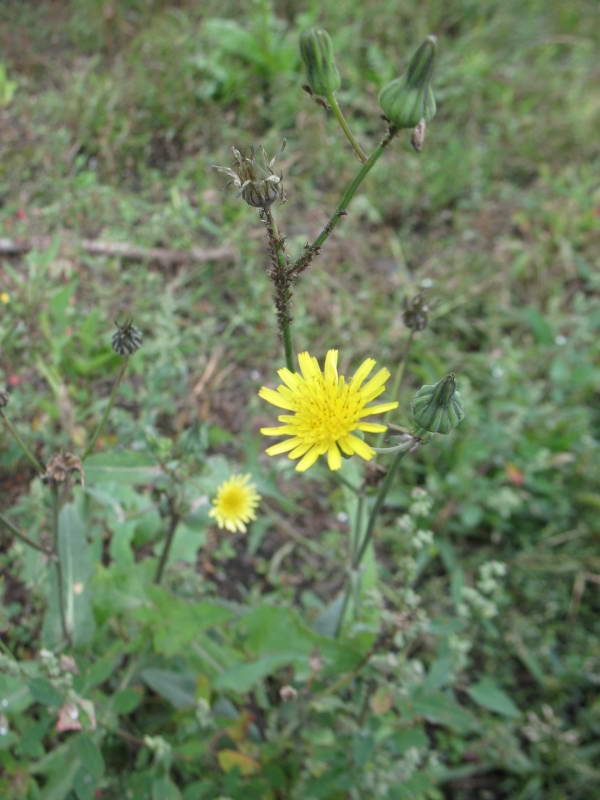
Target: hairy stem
282	281
164	557
332	100
25	539
90	448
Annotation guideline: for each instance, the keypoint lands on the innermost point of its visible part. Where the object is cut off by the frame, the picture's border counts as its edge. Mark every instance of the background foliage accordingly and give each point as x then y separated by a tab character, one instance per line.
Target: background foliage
111	113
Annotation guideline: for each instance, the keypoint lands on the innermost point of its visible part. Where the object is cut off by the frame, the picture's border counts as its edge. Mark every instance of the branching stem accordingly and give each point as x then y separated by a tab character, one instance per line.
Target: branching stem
90	448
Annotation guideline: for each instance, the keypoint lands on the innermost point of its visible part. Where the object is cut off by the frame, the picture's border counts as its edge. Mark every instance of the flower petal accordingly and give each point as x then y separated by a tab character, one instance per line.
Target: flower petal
310	458
362	372
372	388
371	427
280	431
330	370
282	447
334	459
359	447
378	409
275	398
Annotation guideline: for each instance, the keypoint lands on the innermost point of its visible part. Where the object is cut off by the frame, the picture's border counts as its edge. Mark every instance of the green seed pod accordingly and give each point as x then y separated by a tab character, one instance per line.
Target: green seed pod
437	407
316	50
409	99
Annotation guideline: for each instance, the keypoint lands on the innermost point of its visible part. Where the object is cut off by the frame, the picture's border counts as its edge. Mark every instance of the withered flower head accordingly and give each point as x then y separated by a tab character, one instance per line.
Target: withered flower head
127	339
253	175
4	398
60	467
415	314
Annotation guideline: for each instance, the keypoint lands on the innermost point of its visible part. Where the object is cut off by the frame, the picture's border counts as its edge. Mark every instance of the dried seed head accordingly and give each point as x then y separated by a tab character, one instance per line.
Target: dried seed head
416	311
60	467
253	175
4	398
127	339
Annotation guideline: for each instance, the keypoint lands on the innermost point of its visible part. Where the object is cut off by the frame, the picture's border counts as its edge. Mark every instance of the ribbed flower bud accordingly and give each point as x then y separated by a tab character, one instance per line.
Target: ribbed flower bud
437	407
316	50
409	99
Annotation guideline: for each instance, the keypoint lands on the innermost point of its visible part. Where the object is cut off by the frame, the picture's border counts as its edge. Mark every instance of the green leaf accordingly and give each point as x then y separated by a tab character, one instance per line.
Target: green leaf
489	695
43	692
176	687
124	467
76	561
443	708
127	699
89	755
244	677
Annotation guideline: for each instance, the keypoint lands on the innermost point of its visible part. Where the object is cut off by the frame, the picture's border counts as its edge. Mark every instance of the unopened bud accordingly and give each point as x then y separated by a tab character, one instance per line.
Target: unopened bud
409	99
316	50
438	407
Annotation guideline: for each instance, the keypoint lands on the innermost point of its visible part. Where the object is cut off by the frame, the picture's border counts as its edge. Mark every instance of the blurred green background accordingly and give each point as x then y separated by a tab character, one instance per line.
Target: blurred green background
111	115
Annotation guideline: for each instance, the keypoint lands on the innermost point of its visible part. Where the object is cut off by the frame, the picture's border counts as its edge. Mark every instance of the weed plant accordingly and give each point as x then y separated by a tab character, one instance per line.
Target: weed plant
186	617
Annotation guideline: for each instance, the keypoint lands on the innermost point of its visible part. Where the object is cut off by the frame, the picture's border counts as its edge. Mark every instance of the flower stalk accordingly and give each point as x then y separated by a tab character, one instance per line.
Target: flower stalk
113	395
359	554
17	437
282	282
25	539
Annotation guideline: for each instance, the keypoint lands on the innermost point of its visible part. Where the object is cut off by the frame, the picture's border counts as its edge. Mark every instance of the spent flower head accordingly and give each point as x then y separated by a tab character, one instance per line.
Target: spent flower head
126	339
325	410
253	175
235	503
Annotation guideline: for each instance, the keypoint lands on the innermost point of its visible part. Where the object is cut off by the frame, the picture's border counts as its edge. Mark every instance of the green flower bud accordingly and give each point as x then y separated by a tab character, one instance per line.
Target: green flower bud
437	407
316	50
409	99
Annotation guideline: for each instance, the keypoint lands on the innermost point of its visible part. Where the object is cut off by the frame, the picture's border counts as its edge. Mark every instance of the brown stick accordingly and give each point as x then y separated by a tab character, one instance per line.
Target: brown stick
123	250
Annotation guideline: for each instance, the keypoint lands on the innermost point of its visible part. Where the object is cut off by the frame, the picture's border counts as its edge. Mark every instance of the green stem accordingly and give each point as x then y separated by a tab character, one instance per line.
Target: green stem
14	530
113	395
32	459
351	190
359	555
397	381
58	563
164	557
332	100
280	275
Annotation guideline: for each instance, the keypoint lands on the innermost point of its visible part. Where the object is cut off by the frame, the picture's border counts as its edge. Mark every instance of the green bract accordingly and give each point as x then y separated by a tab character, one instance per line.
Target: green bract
409	99
437	407
316	50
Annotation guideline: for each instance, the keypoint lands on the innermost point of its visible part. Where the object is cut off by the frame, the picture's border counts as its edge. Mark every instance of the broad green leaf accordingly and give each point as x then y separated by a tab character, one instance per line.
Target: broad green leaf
489	695
43	692
14	694
124	467
244	677
443	708
176	687
75	553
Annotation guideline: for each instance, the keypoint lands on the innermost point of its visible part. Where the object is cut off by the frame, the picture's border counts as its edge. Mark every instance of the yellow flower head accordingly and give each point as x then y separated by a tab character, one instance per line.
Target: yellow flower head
235	503
325	410
4	297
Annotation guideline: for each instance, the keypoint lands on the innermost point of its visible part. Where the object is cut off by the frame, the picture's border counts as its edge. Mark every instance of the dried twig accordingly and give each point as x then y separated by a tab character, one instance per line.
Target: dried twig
123	250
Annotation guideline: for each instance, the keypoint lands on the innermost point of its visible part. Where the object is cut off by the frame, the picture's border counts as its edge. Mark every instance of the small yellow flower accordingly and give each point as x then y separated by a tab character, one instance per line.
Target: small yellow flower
4	297
235	503
325	410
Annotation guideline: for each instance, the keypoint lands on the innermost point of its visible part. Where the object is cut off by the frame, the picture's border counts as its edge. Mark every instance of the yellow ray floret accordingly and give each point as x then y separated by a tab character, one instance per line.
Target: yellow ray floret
325	410
235	503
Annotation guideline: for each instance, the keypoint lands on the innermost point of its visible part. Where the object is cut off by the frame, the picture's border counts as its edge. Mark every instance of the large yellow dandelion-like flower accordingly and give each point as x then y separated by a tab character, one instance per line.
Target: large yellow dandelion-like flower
325	410
235	503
